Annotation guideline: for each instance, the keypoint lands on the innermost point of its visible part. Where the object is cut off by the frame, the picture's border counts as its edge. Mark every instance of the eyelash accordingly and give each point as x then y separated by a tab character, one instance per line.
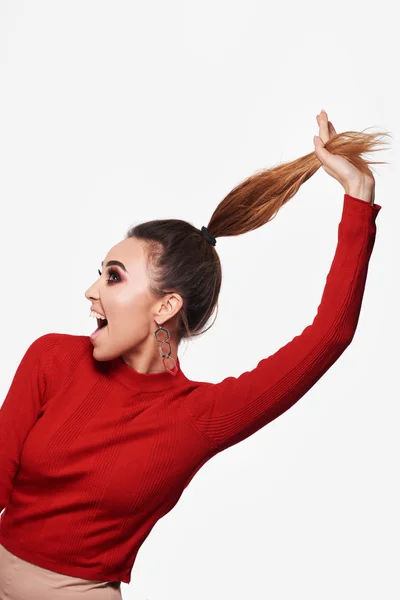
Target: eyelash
112	273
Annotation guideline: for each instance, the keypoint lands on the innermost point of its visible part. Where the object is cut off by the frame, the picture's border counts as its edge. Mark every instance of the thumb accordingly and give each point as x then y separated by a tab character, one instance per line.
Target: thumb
321	152
336	166
318	143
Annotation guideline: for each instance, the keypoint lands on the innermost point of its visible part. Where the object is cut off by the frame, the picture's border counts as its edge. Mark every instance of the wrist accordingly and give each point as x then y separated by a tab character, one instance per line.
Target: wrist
361	190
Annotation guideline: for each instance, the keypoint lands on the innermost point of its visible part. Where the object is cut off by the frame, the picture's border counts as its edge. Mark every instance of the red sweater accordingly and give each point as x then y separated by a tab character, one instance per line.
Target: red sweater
93	454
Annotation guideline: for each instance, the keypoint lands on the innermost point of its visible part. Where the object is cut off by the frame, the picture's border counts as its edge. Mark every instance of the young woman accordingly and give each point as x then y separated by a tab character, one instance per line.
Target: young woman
100	436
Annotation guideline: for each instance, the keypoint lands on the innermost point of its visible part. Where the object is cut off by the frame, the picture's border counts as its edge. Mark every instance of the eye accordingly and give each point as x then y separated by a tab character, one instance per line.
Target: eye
112	273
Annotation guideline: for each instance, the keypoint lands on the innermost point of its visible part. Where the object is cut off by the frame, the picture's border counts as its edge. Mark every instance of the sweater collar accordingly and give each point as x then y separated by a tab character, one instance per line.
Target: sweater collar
146	382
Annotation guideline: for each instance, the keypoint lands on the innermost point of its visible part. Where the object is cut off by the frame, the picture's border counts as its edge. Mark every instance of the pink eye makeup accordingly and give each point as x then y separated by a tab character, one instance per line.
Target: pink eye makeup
111	273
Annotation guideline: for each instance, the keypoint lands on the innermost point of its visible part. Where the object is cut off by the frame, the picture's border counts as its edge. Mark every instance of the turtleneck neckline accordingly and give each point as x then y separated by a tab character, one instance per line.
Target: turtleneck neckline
146	382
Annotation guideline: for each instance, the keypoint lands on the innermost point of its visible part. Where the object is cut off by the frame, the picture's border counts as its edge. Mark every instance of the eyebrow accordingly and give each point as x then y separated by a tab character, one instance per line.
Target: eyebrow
115	262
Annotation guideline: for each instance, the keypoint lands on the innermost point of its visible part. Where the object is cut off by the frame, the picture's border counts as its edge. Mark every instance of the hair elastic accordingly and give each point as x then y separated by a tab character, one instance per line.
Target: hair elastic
207	235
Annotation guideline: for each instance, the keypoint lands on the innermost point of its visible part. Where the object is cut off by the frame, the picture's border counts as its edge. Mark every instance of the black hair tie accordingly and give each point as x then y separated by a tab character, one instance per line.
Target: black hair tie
207	235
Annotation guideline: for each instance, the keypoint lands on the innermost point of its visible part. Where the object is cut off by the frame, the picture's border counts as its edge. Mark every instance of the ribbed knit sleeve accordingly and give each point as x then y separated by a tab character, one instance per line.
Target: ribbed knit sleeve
230	411
20	409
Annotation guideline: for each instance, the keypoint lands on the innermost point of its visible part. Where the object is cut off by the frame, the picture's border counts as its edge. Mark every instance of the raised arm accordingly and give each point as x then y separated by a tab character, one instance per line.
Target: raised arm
20	409
235	408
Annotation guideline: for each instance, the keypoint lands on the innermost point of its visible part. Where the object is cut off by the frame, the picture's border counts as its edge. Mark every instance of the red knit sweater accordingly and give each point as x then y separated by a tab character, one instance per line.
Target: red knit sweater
93	454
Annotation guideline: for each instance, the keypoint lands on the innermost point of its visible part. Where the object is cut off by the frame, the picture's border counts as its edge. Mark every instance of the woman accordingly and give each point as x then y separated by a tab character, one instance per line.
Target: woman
94	452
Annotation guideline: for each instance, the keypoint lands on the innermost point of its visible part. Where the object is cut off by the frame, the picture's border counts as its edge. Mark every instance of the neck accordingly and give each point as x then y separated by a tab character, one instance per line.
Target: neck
148	360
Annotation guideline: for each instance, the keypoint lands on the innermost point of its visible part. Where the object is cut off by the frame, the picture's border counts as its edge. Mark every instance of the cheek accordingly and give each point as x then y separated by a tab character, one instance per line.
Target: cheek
128	309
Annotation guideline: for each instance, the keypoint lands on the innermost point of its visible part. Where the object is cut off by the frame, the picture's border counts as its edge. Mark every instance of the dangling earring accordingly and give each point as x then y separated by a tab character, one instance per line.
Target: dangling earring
162	342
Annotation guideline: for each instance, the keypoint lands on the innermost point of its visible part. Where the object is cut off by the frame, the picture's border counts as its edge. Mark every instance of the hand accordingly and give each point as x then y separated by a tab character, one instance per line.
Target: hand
354	182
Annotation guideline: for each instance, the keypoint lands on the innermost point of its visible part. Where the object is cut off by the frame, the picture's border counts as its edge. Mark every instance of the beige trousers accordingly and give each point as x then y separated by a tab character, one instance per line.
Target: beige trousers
21	580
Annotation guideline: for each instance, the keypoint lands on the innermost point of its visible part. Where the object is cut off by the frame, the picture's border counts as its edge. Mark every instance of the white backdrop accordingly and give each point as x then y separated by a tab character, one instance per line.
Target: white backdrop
113	113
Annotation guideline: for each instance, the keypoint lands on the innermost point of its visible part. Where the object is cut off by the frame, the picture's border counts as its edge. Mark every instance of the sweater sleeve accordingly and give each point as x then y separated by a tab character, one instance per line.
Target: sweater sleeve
20	409
235	408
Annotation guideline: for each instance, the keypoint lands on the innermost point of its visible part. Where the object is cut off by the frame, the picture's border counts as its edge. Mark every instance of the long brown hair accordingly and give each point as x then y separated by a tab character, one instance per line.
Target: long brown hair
180	259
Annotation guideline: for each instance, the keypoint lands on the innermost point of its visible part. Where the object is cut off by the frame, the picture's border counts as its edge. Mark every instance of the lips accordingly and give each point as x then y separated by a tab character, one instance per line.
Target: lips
94	309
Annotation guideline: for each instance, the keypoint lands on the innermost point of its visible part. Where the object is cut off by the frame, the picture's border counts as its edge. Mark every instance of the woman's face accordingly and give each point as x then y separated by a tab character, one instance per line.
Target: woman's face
121	294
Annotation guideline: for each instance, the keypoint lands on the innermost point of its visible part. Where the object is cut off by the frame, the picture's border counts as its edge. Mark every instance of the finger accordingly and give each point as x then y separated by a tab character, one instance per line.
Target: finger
331	129
322	120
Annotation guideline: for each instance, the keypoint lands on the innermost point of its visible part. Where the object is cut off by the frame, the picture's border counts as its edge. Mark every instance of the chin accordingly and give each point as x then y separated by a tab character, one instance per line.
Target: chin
103	355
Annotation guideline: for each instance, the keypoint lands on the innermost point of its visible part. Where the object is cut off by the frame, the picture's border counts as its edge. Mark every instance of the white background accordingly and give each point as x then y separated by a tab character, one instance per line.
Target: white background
113	113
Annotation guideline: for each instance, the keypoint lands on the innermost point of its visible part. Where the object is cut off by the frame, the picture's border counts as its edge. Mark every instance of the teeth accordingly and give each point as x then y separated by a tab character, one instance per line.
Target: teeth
97	315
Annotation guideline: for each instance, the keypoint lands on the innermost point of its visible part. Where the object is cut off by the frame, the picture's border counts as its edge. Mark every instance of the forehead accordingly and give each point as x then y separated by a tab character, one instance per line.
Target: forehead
131	252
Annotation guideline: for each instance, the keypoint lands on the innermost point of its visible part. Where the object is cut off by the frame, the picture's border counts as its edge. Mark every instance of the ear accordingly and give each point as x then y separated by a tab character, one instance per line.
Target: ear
168	307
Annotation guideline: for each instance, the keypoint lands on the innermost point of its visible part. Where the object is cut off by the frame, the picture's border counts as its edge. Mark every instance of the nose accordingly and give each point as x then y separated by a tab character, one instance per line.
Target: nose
89	293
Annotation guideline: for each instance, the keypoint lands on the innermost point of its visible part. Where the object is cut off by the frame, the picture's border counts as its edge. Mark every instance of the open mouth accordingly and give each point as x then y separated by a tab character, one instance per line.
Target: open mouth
101	324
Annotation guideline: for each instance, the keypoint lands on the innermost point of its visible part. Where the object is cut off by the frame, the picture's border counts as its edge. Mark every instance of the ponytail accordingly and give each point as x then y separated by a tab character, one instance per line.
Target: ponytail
256	201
